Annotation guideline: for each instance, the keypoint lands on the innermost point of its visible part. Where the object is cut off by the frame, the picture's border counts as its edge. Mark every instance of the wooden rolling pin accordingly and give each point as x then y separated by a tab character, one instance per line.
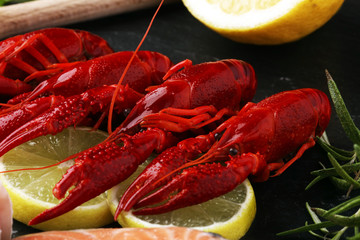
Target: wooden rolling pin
24	17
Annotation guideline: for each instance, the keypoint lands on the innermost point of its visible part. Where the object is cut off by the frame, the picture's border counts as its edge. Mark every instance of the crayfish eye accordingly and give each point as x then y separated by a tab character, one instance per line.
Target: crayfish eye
126	111
233	151
217	136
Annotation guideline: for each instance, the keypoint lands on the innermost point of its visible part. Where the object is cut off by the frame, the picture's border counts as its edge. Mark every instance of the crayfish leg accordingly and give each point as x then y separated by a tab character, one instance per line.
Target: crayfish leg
183	64
13	87
173	119
300	152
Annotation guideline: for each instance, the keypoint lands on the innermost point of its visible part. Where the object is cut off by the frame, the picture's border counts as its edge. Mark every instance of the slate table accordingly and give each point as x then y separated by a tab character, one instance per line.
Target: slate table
335	46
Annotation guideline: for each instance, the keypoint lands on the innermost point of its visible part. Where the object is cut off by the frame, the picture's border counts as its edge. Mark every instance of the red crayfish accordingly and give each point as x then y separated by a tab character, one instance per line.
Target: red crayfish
38	54
78	91
226	84
254	142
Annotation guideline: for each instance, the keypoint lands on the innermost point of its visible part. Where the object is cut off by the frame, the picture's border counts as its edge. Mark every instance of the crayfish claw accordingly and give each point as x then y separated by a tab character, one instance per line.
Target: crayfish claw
162	169
171	159
200	183
102	167
69	179
75	198
16	116
178	199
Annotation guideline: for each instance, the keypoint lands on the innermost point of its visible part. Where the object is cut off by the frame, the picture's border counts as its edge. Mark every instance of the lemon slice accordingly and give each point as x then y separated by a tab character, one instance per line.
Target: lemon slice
229	215
263	22
31	191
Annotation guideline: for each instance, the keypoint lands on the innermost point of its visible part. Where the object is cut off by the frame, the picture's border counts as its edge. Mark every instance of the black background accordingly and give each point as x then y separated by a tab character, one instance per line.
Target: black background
175	33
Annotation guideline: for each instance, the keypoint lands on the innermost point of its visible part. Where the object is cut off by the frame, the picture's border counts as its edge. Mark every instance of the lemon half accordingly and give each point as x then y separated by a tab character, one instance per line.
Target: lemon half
229	215
31	191
263	22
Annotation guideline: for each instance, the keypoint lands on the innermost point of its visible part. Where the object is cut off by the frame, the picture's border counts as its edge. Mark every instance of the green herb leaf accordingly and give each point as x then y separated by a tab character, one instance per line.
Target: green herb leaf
336	152
347	205
310	227
341	184
357	151
344	116
339	233
342	172
340	220
315	218
332	172
313	182
355	237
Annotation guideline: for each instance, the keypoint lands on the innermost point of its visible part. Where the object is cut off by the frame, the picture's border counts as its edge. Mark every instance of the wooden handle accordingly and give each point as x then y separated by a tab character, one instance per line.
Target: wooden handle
23	17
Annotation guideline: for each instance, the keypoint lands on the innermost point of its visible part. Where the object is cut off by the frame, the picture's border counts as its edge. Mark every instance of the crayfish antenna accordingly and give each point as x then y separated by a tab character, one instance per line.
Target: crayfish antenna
41	168
111	109
6	105
9	108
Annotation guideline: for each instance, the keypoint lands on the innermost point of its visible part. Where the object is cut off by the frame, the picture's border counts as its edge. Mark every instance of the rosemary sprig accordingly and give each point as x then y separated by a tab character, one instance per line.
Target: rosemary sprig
345	119
344	174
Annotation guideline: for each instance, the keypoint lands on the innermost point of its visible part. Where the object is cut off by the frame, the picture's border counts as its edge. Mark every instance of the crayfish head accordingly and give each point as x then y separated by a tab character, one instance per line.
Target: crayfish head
227	143
244	133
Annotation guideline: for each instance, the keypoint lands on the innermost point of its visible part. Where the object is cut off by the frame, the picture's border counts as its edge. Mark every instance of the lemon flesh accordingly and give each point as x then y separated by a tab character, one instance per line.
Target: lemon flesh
31	191
229	215
263	22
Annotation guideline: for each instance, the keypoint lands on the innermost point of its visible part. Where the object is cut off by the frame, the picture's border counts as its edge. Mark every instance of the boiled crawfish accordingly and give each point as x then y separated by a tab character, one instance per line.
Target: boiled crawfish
254	142
37	54
76	90
147	69
226	84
